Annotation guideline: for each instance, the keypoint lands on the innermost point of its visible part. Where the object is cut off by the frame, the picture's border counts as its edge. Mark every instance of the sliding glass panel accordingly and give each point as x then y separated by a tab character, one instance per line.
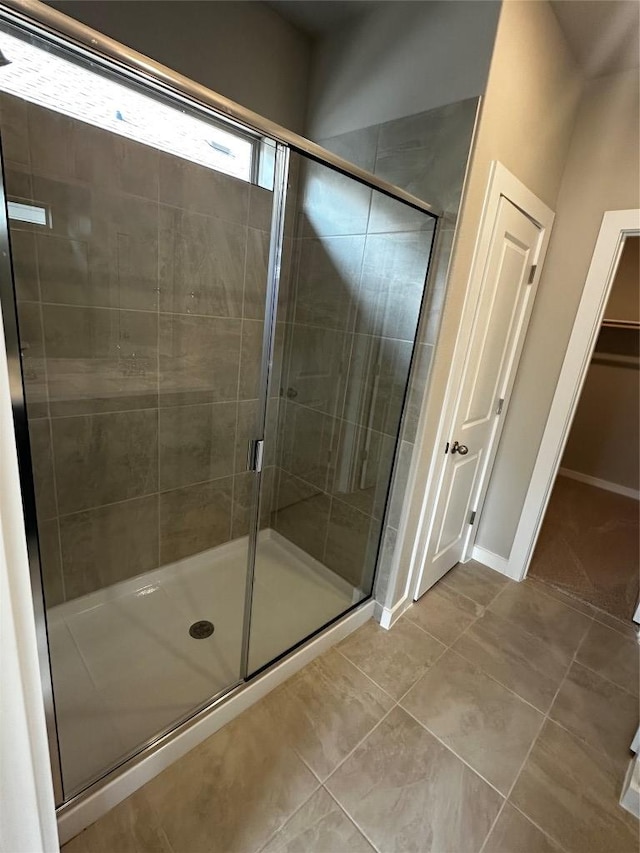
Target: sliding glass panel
353	276
140	251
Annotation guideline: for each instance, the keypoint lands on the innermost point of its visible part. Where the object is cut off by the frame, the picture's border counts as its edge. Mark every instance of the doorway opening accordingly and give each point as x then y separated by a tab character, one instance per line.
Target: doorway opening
588	546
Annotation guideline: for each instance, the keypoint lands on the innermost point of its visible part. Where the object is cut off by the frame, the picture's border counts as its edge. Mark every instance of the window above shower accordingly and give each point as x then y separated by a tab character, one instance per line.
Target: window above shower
43	77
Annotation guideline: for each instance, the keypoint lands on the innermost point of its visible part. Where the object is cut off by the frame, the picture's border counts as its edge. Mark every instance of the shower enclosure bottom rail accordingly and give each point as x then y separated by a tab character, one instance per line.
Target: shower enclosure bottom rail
97	800
133	659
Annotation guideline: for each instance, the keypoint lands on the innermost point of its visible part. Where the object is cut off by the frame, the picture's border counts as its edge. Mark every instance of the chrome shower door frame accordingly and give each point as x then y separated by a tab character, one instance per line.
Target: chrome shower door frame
35	18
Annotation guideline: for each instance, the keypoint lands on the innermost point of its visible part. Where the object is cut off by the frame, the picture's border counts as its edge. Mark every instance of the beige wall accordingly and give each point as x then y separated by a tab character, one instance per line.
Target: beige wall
526	123
601	174
604	441
243	50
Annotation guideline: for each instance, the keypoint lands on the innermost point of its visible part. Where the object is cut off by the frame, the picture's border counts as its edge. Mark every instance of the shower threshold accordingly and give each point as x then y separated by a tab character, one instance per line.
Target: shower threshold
126	668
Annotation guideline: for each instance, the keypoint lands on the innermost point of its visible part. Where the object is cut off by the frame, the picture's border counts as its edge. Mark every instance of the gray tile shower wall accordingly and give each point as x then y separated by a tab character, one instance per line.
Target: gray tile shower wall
140	312
426	154
354	301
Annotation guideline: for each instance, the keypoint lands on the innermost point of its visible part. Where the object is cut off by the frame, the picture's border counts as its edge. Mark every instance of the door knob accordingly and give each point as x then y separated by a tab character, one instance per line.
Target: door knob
462	449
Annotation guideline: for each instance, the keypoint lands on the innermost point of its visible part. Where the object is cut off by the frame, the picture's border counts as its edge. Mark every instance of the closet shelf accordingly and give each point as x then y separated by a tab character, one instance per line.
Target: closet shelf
620	324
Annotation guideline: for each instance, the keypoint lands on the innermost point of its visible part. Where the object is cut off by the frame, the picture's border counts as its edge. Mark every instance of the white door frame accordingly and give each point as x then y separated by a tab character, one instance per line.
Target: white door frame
616	226
502	183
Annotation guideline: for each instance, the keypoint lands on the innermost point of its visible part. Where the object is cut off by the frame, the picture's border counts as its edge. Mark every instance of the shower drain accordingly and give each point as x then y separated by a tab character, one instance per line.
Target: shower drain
201	630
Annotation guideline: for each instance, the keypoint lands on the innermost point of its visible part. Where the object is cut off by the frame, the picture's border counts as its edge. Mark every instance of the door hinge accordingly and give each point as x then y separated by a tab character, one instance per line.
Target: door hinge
532	273
255	455
500	405
446	450
473	517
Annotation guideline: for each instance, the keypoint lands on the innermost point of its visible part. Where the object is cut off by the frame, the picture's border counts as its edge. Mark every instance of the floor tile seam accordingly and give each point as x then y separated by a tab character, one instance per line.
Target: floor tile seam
424	630
368	677
537	826
453	752
563	680
464	595
478	603
323	781
431	665
591	747
526	758
546	718
498	594
522	630
497	680
608	680
464	631
493	825
290	817
352	819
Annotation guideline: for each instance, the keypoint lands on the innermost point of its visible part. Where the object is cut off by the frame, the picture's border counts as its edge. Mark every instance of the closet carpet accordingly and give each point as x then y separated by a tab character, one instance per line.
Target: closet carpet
589	547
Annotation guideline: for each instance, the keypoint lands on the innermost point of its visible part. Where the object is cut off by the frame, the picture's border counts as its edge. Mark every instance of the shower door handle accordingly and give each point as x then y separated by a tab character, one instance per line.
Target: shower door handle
255	455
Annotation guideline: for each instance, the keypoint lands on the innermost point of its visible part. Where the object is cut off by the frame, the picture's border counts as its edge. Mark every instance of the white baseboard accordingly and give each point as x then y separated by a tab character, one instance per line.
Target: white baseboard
600	484
630	798
390	615
488	558
75	817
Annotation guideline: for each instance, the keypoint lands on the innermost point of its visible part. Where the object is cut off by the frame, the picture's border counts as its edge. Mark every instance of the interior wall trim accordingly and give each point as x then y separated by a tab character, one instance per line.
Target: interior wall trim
390	615
501	183
488	558
607	485
616	226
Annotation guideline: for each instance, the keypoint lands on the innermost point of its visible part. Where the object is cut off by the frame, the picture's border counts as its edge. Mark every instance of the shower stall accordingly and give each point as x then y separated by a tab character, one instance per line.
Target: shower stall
210	324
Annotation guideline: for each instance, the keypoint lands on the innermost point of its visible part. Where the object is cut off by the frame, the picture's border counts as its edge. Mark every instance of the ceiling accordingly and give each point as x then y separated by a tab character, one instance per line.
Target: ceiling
317	17
604	35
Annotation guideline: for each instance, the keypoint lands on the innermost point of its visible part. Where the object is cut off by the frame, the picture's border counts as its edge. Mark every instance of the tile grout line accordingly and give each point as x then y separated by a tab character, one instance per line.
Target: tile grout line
420	628
287	820
493	824
453	752
351	820
90	414
519	627
495	680
545	719
408	690
45	370
368	677
543	831
544	715
352	751
604	678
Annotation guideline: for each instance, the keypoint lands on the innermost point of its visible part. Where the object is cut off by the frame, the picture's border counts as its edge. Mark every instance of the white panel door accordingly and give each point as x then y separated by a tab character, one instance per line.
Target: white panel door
498	332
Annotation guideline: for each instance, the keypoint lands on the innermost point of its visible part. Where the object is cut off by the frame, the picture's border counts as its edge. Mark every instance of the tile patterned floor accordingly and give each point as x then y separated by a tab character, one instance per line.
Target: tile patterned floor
493	717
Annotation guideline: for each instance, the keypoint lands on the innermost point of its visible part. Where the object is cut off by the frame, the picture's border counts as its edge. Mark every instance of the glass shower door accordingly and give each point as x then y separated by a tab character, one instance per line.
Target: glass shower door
351	288
139	246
